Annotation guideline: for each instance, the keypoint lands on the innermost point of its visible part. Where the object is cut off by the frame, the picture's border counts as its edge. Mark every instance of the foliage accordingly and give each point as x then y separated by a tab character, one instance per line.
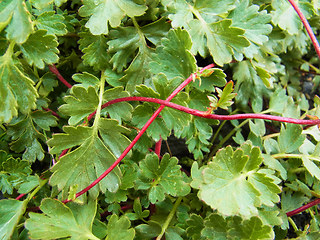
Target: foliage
60	147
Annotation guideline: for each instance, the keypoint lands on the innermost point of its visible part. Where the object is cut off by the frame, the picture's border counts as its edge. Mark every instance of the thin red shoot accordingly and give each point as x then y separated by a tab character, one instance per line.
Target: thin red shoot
317	48
305	207
307	26
20	196
214	116
52	112
135	140
56	72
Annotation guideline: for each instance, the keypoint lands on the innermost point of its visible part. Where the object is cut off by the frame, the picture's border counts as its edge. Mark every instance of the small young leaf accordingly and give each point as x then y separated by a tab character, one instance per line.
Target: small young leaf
225	97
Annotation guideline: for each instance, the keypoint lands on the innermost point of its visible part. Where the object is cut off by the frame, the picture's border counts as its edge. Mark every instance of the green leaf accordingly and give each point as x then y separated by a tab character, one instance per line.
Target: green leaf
257	127
209	79
124	43
104	12
312	168
16	88
113	135
10	213
86	80
195	226
254	23
218	38
89	158
138	213
120	111
14	173
225	97
250	229
95	50
286	17
182	10
237	174
158	128
138	70
197	134
174	119
161	179
249	85
58	220
40	4
26	134
14	15
290	138
119	228
52	22
223	40
80	104
173	57
148	231
216	227
40	48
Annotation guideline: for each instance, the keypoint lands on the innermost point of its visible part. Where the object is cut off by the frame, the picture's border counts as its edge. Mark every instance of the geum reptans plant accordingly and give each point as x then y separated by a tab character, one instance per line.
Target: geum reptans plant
97	96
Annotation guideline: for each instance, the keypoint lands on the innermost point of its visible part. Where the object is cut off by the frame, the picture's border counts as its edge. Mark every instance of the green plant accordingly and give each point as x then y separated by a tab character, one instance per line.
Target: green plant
61	143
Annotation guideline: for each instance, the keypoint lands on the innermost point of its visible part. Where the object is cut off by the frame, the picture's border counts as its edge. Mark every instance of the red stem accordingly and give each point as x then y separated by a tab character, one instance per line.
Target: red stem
134	141
305	207
317	48
157	148
307	26
20	196
63	153
56	72
212	116
52	112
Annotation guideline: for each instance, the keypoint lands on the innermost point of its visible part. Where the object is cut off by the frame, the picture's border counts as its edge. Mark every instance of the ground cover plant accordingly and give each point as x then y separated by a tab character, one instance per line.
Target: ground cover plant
140	119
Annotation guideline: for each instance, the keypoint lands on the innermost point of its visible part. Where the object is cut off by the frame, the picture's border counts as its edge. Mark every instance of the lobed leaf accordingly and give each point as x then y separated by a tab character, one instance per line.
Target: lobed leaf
173	57
237	175
52	22
10	213
99	11
95	50
254	22
161	179
80	104
26	136
88	160
60	221
40	48
16	89
17	20
119	228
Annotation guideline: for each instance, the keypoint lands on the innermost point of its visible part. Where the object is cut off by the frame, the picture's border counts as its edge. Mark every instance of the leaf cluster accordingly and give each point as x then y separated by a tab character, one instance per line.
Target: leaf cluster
212	179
